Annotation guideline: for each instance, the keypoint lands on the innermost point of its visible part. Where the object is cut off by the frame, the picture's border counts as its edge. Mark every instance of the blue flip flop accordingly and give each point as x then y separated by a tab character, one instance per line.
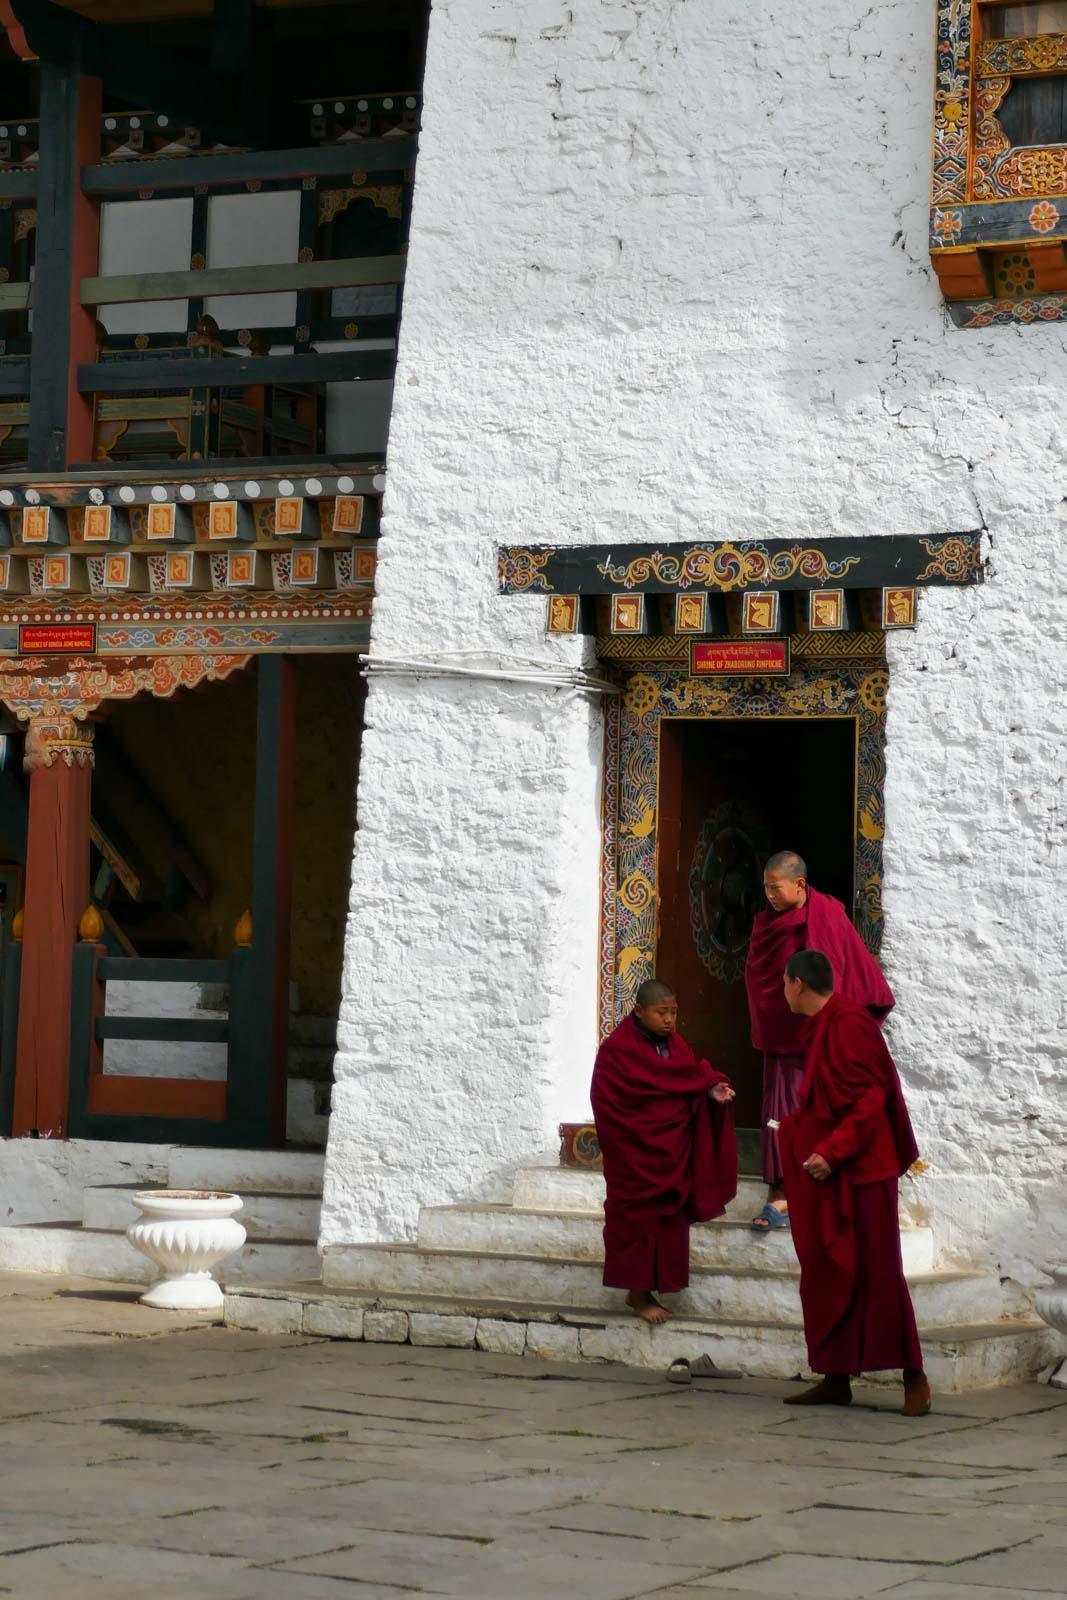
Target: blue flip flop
772	1217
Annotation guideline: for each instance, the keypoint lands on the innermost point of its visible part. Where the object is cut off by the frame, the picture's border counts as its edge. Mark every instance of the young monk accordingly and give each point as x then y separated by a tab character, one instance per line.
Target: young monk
666	1130
843	1150
797	917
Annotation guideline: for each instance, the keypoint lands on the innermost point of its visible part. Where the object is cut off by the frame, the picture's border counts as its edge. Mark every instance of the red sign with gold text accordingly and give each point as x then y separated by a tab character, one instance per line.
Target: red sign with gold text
715	658
57	639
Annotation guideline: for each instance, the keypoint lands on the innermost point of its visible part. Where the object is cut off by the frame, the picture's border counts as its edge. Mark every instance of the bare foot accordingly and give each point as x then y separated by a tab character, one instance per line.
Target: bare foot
647	1307
832	1391
917	1399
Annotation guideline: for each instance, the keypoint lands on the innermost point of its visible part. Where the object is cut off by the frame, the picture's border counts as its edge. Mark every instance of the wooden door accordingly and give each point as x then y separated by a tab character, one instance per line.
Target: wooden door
731	792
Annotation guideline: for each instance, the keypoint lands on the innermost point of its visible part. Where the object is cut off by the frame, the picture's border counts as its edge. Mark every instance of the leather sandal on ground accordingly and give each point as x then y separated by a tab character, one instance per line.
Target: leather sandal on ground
682	1371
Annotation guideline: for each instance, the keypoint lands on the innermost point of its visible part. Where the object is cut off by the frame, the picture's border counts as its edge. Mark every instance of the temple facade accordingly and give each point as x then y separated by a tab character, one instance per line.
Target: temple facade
474	481
679	291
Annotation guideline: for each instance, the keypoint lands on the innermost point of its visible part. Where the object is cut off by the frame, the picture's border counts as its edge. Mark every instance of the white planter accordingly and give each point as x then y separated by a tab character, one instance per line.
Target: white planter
1051	1305
186	1232
1051	1302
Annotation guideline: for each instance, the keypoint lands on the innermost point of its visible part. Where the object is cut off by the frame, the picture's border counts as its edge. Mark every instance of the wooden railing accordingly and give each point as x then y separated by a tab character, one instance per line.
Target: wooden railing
106	1105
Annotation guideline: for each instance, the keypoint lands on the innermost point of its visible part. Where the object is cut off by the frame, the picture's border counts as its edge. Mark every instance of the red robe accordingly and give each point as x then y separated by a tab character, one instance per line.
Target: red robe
670	1153
845	1228
820	924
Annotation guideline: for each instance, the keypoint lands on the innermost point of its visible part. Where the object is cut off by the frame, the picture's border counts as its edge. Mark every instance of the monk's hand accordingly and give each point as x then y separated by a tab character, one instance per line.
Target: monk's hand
817	1167
722	1092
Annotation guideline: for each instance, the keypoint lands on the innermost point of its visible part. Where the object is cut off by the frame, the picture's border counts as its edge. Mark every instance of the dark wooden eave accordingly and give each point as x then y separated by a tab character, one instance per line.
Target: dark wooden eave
41	30
731	566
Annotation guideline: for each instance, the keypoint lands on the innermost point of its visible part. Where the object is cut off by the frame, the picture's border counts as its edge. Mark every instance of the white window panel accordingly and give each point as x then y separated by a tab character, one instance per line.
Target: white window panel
253	230
145	236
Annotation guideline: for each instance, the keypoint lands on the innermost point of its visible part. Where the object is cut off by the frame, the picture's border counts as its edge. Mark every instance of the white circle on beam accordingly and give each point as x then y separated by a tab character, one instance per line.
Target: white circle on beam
252	489
286	487
158	492
127	494
221	492
313	486
345	485
187	491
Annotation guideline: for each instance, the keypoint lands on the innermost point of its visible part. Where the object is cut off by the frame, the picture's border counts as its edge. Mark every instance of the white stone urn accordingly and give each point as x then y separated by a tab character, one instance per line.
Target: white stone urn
1051	1305
186	1232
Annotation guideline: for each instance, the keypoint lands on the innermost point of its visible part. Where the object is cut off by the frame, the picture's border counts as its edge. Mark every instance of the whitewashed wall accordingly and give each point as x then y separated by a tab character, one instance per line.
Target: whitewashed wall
668	279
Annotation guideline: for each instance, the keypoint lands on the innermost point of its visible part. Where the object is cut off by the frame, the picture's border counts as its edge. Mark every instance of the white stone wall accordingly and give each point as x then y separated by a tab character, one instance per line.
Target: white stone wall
669	279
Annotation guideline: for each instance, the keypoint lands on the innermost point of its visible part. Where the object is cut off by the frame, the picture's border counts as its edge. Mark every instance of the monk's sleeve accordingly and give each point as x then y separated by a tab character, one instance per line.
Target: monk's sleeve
855	1129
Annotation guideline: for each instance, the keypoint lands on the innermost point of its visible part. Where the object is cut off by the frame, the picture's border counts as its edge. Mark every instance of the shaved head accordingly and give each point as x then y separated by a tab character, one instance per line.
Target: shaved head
652	991
787	864
812	968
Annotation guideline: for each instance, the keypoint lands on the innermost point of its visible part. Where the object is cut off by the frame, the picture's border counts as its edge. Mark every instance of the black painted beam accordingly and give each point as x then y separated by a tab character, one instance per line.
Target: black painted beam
162	372
259	988
64	86
328	161
239	56
731	566
14	378
21	184
164	1030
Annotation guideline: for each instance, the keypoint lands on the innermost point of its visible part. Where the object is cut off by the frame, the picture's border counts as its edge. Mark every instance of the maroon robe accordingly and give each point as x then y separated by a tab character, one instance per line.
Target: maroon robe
670	1156
858	1315
821	923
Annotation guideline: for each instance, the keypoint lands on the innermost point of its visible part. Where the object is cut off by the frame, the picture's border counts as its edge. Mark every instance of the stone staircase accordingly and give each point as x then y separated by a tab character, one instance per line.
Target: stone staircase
526	1276
282	1194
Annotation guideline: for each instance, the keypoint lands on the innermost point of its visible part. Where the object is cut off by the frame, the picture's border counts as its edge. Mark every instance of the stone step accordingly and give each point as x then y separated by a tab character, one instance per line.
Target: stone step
555	1188
92	1253
265	1215
757	1294
257	1171
969	1356
579	1234
550	1187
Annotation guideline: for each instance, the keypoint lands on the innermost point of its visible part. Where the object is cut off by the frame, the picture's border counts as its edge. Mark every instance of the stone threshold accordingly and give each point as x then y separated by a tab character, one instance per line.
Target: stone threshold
980	1355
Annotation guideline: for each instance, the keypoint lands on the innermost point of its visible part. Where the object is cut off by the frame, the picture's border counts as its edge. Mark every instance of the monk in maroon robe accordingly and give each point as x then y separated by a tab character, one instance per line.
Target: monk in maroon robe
666	1130
798	918
843	1150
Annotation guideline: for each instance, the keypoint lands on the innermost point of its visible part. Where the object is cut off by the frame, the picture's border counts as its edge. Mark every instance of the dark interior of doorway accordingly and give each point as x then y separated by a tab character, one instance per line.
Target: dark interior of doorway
731	793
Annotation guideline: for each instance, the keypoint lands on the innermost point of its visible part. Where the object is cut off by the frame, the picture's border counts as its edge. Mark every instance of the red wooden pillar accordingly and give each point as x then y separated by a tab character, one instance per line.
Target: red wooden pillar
59	762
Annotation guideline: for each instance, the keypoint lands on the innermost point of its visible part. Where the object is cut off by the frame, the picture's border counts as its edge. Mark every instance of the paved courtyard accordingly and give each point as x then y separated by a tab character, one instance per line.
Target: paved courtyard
148	1458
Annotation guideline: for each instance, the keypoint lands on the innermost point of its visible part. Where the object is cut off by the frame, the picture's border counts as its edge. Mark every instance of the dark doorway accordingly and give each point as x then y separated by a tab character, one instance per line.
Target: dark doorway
731	792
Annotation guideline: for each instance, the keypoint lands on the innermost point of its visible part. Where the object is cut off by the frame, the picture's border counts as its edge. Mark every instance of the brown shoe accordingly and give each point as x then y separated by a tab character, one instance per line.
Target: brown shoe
832	1391
917	1397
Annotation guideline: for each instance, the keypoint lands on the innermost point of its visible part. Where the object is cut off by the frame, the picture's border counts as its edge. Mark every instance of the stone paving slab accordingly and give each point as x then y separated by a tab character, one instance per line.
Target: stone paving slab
494	1572
163	1457
825	1577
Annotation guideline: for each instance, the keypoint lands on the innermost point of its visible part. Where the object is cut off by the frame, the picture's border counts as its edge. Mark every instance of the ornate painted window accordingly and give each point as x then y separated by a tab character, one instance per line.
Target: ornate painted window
998	220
